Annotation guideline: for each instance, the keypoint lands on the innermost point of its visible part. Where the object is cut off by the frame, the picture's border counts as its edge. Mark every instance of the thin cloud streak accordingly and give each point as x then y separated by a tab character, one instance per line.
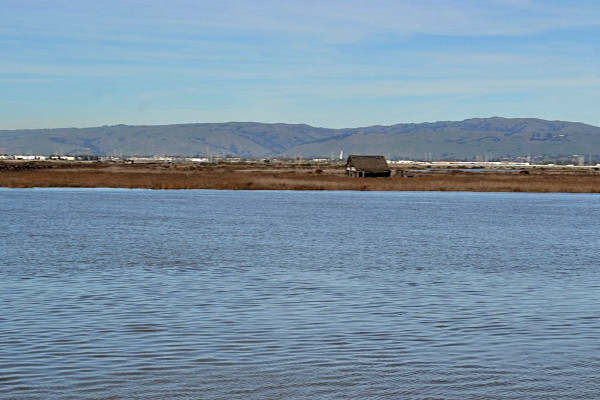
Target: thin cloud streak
329	19
280	58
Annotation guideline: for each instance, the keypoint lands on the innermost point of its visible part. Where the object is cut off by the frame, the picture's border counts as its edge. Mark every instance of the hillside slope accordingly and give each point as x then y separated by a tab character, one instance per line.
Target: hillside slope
491	137
484	137
243	139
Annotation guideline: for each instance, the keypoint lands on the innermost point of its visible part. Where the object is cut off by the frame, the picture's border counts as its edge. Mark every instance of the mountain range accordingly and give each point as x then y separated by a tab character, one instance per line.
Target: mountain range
478	137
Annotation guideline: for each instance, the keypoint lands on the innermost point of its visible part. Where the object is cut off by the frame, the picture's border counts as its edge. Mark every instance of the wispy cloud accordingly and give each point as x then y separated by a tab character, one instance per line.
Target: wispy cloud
329	19
280	58
354	18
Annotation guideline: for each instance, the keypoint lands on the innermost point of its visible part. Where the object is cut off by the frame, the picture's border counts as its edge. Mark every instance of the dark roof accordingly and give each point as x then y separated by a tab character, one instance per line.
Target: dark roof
368	163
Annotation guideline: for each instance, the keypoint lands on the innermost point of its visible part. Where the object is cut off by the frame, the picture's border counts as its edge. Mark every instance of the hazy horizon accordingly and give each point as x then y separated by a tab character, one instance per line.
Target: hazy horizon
285	123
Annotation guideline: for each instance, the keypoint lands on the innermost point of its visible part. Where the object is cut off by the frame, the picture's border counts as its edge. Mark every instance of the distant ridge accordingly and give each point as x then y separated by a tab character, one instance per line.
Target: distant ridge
478	137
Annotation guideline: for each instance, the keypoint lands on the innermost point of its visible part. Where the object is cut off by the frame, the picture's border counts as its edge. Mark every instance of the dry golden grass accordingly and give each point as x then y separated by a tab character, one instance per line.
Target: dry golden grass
234	177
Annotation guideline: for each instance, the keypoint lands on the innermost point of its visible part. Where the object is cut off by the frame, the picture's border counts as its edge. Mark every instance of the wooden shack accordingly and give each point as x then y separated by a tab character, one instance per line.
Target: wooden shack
367	167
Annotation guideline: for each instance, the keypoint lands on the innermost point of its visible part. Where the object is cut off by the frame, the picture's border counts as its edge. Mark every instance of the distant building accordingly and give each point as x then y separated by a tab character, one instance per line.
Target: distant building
367	167
28	157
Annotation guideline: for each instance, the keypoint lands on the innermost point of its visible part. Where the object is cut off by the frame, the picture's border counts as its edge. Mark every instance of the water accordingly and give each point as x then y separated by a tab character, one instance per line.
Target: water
291	295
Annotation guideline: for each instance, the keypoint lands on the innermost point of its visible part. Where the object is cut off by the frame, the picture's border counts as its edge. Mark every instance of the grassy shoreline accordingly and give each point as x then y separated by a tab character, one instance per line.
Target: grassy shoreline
288	177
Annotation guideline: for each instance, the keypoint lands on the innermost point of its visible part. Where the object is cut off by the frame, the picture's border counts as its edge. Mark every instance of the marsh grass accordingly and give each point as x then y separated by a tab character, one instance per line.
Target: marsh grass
285	178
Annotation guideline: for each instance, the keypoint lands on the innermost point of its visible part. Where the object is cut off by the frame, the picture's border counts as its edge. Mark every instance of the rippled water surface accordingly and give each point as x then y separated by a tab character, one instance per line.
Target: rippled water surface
291	295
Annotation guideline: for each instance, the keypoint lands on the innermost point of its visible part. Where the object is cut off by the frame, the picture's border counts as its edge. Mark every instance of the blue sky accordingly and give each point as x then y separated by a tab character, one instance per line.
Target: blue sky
329	63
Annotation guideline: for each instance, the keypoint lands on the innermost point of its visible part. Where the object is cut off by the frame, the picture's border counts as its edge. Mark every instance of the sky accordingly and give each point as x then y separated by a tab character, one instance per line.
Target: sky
327	63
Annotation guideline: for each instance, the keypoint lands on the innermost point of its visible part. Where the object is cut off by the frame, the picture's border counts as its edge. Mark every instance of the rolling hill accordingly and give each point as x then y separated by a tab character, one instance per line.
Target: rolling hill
483	137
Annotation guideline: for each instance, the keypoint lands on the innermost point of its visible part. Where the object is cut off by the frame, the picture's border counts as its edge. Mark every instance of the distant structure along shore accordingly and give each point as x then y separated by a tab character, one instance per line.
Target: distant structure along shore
575	162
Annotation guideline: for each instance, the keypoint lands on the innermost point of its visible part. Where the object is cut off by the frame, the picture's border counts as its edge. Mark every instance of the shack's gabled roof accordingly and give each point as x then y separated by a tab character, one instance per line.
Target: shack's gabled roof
376	164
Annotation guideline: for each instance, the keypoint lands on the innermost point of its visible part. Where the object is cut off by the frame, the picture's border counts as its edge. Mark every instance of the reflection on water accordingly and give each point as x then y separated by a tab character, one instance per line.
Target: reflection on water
254	295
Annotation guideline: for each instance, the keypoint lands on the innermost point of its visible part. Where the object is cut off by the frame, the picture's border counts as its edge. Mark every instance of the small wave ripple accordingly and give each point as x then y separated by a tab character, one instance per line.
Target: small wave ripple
260	306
